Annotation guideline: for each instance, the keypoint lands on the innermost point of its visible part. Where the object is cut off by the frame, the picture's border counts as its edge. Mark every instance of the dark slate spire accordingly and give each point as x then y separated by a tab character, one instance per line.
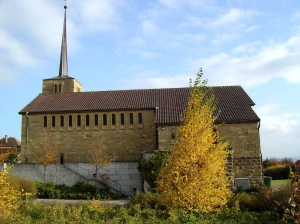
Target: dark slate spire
63	67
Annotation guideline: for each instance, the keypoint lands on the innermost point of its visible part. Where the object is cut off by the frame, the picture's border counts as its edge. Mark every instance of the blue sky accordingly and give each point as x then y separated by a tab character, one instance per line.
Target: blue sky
115	44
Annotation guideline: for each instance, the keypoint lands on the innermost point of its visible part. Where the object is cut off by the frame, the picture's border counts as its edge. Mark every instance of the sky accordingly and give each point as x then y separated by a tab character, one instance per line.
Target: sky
129	44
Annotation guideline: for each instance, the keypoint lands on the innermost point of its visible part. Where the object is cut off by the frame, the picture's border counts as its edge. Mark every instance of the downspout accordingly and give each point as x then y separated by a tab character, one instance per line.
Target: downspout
26	154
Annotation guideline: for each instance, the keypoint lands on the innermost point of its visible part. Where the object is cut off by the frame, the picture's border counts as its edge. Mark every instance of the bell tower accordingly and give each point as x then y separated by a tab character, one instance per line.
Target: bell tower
62	82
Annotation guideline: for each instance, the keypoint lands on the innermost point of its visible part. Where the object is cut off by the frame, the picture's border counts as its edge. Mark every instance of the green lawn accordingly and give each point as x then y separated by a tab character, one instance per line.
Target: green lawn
279	183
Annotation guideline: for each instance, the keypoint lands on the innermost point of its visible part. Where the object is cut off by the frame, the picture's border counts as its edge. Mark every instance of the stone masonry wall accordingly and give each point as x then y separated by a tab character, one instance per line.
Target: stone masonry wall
125	142
244	141
67	85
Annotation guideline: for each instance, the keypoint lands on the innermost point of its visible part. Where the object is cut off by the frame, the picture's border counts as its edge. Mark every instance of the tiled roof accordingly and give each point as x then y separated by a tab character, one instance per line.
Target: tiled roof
233	102
11	141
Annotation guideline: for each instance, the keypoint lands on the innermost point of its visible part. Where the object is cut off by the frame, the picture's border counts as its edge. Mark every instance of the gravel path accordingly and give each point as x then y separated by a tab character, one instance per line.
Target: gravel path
112	203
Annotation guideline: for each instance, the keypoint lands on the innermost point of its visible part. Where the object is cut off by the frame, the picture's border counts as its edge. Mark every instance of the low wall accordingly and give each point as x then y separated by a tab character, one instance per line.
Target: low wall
124	177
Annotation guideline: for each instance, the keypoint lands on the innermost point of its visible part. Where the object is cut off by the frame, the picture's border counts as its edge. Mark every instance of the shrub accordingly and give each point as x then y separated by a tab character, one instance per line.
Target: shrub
23	185
147	200
277	172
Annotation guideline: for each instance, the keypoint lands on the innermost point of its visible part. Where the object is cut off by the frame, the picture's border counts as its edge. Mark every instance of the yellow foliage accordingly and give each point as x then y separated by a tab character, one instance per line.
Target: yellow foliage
8	196
196	177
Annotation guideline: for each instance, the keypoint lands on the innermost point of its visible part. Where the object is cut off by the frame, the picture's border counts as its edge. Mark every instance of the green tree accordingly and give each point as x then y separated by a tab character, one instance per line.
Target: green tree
195	178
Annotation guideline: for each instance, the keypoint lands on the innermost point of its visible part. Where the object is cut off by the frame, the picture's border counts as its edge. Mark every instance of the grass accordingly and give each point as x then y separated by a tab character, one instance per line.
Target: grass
279	183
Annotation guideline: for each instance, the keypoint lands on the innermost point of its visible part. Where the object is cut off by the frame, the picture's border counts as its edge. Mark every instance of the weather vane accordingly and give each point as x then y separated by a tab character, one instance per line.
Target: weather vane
65	4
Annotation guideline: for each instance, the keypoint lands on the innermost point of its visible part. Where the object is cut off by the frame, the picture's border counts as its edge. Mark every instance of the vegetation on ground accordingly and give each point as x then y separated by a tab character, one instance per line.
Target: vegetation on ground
195	178
79	191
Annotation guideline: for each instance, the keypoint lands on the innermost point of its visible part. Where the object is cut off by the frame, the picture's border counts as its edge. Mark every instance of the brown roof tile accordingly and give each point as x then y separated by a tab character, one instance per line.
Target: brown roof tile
233	102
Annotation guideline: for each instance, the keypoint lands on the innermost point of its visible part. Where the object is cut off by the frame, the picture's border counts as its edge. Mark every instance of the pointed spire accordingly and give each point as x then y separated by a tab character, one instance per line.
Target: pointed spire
63	67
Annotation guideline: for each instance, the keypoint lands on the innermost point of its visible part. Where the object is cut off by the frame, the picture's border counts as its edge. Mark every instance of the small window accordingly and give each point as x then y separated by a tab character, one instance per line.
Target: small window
53	121
122	119
45	121
55	88
87	120
104	119
173	133
113	119
131	118
62	121
140	118
59	88
78	120
96	119
70	121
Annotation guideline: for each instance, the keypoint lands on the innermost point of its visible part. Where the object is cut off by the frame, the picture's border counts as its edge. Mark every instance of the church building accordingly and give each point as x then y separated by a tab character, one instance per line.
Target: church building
132	122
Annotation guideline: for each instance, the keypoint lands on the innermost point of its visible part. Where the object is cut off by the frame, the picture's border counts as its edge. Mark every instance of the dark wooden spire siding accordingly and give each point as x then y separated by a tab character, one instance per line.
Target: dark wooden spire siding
233	103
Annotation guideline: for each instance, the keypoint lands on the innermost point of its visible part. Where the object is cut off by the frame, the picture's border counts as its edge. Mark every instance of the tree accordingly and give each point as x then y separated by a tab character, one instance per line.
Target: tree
46	153
8	196
99	158
195	178
3	153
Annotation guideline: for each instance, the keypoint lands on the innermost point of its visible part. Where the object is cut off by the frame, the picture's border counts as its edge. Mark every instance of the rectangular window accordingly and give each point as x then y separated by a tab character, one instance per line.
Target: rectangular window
113	119
78	120
45	121
131	118
104	119
96	119
140	118
122	119
62	121
53	121
87	120
70	121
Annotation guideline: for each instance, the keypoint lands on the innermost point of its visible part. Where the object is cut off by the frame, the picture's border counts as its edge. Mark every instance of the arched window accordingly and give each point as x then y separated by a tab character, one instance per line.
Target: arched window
78	120
122	119
62	121
104	119
131	118
53	121
45	121
140	118
96	119
173	133
70	120
87	120
113	119
59	88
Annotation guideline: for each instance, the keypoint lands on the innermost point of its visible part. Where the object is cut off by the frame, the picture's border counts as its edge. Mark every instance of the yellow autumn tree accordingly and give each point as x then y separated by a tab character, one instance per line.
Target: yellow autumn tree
8	196
195	178
46	152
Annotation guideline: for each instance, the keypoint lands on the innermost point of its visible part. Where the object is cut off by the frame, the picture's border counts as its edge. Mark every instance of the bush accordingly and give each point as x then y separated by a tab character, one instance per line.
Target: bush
278	172
23	185
80	190
147	200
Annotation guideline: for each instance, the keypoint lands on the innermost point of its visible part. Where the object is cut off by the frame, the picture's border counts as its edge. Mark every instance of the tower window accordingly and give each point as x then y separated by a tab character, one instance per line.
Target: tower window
96	119
113	119
78	120
70	121
45	121
87	120
122	119
140	118
104	119
62	121
53	121
131	118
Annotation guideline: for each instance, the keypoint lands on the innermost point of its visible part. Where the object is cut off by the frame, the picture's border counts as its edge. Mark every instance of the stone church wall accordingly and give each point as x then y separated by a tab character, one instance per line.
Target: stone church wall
125	142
